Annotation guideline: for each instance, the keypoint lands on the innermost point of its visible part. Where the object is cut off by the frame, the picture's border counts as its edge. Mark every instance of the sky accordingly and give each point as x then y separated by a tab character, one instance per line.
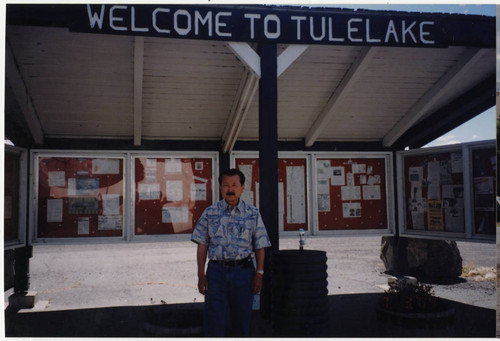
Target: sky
487	9
481	127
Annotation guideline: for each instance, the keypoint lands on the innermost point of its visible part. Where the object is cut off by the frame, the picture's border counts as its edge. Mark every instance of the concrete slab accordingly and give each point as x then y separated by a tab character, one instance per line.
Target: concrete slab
25	300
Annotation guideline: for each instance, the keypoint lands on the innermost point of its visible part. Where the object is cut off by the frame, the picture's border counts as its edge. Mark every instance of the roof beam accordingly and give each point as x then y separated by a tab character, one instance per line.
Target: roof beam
138	83
247	55
249	85
248	88
230	121
22	95
245	94
447	82
287	57
252	59
450	116
356	70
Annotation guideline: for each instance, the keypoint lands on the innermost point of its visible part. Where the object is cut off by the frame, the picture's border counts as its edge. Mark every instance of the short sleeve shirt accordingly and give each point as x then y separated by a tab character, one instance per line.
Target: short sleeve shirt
231	234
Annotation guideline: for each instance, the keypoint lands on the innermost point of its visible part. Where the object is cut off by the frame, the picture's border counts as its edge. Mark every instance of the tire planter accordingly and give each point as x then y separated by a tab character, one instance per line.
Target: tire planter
398	324
299	292
180	322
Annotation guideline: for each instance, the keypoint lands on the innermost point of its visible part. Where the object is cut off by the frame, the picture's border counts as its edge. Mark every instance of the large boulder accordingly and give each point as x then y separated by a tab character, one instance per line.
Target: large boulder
421	257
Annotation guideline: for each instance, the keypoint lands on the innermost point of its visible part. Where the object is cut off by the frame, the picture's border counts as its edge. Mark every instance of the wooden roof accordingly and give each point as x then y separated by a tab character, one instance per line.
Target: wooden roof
64	84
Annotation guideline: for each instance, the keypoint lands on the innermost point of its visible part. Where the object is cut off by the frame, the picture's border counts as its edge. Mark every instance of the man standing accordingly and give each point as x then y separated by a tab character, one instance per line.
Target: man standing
230	232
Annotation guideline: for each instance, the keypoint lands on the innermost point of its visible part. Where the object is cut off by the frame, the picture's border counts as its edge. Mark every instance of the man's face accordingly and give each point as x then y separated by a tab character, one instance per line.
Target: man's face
231	189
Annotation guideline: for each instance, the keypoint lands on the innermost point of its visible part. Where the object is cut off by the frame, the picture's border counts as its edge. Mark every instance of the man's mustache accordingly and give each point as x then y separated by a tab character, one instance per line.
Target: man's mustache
230	193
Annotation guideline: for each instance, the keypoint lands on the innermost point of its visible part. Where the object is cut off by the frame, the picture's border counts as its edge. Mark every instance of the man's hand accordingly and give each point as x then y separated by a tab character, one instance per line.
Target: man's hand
202	284
257	283
201	258
257	279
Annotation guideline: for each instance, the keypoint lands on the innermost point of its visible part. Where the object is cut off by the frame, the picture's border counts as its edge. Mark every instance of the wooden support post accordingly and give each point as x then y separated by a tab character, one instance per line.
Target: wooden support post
268	142
268	159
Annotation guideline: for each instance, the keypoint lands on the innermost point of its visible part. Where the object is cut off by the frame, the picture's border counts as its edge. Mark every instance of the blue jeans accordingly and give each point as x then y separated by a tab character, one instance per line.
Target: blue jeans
228	287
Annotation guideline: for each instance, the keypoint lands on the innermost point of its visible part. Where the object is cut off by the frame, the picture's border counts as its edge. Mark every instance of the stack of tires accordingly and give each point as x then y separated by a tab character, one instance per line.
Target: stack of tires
299	293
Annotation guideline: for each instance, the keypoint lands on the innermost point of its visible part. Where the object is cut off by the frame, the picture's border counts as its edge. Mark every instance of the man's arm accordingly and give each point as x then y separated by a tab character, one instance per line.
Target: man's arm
201	258
260	255
257	281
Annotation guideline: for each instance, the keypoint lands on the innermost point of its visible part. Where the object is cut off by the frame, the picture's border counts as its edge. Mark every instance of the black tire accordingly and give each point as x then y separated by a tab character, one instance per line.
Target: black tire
299	292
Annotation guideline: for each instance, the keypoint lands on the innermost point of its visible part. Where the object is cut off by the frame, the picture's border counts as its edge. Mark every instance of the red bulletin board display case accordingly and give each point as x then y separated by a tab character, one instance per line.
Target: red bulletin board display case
79	195
448	191
15	189
353	192
171	192
292	187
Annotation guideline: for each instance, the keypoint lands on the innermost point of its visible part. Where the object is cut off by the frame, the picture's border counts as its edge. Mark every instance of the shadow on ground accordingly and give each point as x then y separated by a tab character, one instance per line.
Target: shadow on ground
352	315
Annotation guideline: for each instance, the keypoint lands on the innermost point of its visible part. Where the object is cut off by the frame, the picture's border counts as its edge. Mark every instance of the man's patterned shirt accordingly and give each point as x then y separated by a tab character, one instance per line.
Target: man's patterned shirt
231	234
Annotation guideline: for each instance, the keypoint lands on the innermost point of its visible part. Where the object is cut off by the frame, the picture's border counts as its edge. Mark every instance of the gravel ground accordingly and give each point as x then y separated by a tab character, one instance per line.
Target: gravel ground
117	273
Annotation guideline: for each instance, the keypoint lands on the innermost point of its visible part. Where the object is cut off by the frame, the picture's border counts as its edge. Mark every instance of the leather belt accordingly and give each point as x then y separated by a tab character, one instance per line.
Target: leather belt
232	262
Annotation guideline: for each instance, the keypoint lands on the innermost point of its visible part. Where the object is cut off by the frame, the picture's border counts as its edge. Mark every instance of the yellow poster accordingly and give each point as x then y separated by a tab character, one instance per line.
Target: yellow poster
435	215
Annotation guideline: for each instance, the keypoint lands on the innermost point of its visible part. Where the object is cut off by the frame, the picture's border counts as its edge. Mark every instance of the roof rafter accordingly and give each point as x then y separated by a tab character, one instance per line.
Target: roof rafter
450	116
449	80
247	89
357	68
247	55
22	95
249	85
287	57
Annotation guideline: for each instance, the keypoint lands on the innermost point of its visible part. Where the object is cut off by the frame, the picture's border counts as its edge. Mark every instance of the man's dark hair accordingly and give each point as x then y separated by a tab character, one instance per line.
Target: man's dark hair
232	172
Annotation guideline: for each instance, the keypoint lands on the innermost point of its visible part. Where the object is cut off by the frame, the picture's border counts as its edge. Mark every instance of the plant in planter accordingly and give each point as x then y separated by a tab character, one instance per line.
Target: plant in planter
407	297
410	308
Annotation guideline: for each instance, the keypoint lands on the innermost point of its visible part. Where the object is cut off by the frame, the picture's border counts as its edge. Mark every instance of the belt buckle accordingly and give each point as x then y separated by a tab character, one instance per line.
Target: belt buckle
228	262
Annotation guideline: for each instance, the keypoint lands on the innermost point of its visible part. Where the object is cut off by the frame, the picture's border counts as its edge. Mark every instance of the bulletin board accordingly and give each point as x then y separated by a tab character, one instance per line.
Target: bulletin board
434	192
449	191
484	185
15	189
80	196
171	193
292	189
352	193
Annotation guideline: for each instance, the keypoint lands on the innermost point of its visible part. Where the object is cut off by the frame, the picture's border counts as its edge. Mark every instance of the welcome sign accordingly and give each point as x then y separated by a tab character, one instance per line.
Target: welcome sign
262	24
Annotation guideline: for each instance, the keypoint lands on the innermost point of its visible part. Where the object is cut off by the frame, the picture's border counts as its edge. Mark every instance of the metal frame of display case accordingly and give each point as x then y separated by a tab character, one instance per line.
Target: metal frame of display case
466	150
22	200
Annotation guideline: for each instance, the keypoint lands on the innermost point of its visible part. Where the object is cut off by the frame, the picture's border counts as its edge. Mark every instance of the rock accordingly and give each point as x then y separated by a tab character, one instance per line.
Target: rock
427	257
